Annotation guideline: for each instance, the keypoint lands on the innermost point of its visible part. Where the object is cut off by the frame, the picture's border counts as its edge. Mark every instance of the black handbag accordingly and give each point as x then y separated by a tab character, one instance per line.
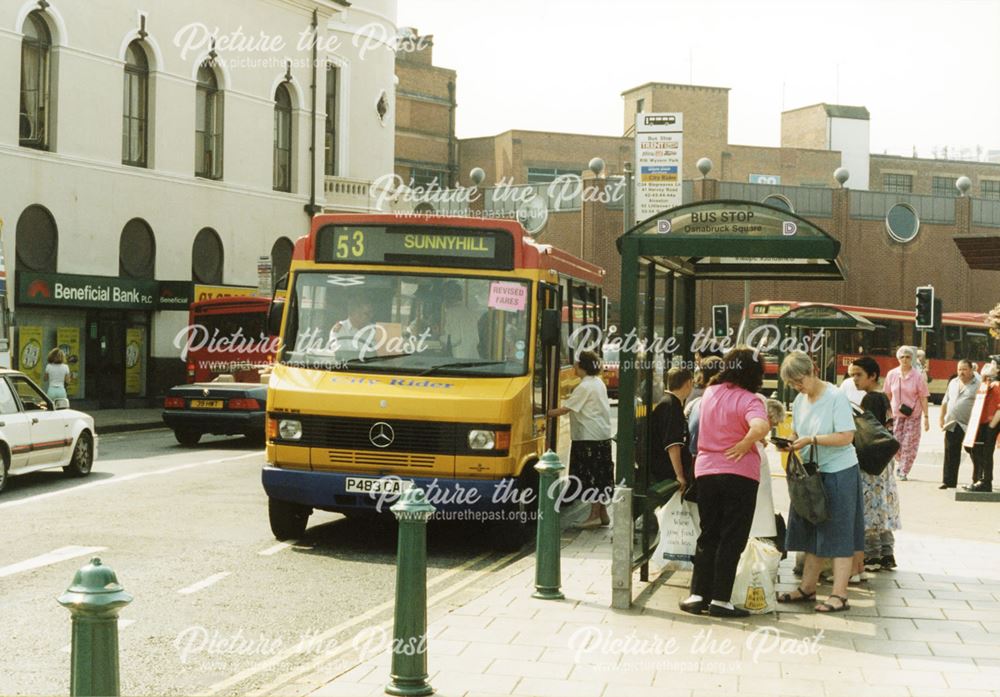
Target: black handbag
905	409
873	443
805	488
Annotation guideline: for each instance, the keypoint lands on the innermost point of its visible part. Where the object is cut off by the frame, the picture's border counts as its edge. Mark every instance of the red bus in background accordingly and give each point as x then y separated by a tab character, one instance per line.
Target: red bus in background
228	336
962	335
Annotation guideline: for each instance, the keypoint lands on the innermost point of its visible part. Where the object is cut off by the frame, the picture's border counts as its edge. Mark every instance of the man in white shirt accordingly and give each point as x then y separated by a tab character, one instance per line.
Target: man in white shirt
956	409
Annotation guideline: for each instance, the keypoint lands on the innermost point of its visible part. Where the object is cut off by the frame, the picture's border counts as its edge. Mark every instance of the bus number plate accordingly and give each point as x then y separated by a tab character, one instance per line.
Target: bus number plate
370	485
206	404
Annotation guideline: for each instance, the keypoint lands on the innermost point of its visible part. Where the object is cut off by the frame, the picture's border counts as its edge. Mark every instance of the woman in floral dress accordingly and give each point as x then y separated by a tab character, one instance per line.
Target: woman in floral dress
881	495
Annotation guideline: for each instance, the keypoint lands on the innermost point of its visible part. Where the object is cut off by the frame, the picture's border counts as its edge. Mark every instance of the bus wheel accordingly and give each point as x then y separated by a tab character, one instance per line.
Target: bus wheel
288	520
187	437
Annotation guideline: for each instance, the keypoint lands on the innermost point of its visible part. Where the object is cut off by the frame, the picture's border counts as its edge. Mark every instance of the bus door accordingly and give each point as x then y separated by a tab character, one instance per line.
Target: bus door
547	363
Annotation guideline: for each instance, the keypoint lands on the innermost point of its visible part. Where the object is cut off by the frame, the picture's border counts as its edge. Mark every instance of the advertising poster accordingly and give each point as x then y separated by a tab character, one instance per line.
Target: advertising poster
135	347
30	359
68	340
658	154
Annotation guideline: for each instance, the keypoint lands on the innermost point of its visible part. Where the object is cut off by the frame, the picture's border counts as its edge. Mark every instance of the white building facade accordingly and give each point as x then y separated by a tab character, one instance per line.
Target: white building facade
153	150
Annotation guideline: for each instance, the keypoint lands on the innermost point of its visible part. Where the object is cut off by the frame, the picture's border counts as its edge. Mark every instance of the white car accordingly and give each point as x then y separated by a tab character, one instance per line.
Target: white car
35	435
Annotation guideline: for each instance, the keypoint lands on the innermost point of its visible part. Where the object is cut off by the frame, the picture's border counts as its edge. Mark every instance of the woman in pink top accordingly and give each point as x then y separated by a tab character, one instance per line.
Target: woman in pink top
906	388
727	472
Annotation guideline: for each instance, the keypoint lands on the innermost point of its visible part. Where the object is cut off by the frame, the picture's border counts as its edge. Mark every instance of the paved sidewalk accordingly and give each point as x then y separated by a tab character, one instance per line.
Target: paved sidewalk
118	420
932	627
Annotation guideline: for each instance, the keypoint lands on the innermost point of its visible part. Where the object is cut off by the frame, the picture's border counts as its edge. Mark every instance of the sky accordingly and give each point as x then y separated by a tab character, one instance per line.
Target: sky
928	72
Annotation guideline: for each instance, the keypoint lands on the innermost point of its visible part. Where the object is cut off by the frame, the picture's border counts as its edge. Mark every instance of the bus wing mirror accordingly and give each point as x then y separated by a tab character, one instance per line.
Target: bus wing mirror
551	327
274	317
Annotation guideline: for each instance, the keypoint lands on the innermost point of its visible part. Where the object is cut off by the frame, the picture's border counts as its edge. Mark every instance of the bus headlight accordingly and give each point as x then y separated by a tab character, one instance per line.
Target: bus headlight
290	429
482	440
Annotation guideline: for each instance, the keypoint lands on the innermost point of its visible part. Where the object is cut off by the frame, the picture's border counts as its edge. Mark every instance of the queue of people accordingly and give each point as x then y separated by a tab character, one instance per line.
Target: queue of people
709	432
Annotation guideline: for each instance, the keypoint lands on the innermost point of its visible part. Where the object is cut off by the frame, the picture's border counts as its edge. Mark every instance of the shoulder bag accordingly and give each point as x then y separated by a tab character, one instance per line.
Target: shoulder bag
873	443
805	488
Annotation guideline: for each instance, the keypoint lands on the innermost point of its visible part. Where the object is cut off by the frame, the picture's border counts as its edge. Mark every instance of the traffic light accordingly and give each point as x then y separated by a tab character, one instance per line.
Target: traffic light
925	307
720	320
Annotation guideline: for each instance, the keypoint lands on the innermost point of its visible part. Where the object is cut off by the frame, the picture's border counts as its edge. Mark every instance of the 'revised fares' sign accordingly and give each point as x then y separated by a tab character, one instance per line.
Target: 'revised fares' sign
409	245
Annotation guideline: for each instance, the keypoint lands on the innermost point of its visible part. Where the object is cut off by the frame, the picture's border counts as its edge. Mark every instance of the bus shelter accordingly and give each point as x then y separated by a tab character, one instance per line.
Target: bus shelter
667	254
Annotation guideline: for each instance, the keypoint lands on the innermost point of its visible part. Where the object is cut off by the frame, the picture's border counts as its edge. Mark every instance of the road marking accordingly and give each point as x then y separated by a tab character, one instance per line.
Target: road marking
204	583
275	549
319	639
53	557
121	479
385	627
121	625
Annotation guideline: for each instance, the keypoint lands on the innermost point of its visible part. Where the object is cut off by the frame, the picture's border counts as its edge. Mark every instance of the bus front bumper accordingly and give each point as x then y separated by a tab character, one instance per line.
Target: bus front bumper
339	491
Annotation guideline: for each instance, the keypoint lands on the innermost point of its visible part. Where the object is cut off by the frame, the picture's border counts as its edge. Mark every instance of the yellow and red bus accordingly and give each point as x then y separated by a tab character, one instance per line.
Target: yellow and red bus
961	335
420	350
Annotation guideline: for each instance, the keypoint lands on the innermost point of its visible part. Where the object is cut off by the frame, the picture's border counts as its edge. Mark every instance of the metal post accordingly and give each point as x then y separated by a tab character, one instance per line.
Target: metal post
627	221
621	550
408	675
649	395
548	575
94	600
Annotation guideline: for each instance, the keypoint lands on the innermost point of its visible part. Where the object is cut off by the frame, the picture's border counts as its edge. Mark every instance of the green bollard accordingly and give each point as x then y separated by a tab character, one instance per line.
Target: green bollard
409	634
547	550
94	600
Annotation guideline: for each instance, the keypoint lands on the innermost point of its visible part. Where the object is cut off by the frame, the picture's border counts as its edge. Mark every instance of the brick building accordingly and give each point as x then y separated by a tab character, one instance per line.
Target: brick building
898	218
426	149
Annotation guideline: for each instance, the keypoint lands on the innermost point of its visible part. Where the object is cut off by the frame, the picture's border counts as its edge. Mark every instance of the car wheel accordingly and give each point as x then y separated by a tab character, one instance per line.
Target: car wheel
4	466
255	438
187	437
82	459
288	520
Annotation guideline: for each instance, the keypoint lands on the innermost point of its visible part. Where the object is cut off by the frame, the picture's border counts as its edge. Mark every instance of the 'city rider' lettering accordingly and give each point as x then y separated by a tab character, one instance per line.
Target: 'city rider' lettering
404	382
449	243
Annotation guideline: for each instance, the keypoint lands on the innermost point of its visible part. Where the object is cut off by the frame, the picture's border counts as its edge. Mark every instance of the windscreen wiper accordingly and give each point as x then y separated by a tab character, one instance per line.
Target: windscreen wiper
374	359
459	364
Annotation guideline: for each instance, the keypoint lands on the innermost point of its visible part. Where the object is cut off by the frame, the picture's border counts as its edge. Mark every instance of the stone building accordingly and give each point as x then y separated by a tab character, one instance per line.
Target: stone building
162	148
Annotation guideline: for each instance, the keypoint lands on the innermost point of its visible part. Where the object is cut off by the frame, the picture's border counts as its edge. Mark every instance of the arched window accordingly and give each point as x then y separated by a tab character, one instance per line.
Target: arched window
35	83
207	257
37	241
137	250
135	113
281	258
282	139
208	124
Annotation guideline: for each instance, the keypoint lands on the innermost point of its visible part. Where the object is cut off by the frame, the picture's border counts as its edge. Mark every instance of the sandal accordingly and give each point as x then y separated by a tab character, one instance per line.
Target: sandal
803	597
843	607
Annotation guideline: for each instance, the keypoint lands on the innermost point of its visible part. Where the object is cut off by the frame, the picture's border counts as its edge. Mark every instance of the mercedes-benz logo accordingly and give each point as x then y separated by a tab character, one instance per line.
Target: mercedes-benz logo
381	435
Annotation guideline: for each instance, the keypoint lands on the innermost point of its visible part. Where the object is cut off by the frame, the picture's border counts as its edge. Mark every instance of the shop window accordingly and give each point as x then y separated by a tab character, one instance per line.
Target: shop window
207	257
37	240
36	86
135	110
137	250
281	258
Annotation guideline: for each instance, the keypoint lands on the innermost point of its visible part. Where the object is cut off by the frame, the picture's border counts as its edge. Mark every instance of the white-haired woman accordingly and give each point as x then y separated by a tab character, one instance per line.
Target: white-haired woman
823	425
906	388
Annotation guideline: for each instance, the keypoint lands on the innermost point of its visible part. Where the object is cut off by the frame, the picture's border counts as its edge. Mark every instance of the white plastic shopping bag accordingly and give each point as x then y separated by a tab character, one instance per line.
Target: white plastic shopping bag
756	573
679	530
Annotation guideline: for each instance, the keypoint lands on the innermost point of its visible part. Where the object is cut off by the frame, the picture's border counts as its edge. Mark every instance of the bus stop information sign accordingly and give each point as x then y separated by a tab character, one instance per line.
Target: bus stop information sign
659	152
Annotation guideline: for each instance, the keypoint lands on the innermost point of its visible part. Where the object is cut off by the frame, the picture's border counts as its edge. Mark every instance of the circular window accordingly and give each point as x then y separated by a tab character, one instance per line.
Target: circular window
779	201
36	240
137	250
206	257
902	222
281	257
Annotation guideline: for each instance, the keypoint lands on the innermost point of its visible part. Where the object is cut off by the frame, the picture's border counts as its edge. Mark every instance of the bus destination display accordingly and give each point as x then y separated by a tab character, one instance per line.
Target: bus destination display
414	246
